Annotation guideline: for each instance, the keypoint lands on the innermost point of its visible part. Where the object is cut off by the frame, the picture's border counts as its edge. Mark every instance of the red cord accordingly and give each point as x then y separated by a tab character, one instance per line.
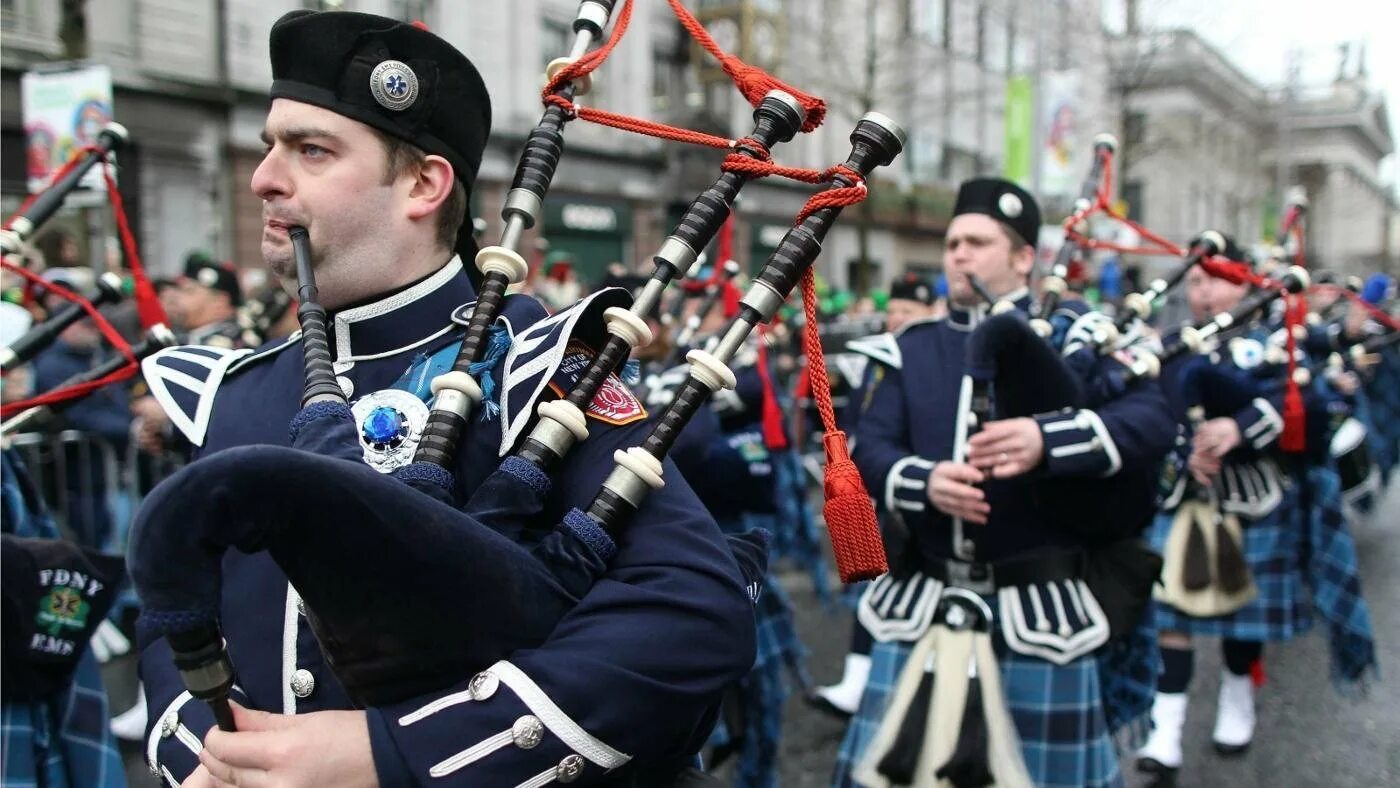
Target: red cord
752	81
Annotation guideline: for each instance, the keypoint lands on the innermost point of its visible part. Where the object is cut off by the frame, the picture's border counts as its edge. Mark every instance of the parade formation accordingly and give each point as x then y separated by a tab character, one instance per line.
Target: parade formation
400	522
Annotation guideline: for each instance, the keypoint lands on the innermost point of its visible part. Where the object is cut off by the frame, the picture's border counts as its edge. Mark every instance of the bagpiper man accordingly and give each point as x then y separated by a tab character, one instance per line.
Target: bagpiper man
209	297
995	659
374	136
1245	527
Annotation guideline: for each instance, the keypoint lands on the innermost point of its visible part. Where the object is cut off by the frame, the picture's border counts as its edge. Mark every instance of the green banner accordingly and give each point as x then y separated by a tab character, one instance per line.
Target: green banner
1019	122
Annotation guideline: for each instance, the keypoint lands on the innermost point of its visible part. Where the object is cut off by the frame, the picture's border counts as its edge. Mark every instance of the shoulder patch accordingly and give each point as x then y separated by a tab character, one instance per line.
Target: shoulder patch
614	404
851	366
184	380
536	353
883	348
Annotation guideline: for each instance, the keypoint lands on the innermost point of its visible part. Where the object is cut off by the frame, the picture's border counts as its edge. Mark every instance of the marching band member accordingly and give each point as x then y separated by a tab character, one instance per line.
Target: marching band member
1042	695
1243	528
374	136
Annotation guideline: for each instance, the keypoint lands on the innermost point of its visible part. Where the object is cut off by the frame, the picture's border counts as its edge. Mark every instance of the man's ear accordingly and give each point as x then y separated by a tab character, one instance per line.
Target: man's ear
1023	260
430	187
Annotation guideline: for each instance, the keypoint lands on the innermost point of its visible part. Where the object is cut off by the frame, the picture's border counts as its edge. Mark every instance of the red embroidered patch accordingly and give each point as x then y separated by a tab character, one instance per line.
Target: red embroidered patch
614	403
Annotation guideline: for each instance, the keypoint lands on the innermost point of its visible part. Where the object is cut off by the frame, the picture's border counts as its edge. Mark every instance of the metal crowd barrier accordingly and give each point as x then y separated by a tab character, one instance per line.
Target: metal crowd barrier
91	489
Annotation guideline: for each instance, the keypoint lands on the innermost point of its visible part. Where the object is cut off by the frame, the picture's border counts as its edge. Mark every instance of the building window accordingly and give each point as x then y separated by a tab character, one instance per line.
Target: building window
1135	128
414	11
1132	195
661	83
930	20
555	37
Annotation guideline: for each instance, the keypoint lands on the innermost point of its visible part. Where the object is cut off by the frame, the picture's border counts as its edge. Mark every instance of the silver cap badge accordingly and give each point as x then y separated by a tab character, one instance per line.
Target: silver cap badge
1009	205
394	85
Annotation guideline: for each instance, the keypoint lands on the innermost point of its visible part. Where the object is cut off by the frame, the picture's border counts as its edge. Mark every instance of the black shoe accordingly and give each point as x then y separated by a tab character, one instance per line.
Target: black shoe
820	703
1163	776
1231	750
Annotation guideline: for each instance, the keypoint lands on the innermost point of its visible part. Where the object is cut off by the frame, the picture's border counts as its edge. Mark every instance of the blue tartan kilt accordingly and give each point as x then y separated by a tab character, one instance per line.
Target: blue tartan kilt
1058	712
1272	548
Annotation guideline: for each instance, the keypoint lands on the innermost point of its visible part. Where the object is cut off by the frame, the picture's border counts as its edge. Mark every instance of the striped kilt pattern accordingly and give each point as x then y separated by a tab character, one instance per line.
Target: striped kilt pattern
1058	713
1271	548
1332	579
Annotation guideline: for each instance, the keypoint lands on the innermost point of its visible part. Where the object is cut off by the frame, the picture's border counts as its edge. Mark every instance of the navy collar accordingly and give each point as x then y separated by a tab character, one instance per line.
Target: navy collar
403	320
967	318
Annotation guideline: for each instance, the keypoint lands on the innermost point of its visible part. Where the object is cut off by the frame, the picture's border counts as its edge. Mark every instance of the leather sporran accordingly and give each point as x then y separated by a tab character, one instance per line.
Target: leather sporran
1204	572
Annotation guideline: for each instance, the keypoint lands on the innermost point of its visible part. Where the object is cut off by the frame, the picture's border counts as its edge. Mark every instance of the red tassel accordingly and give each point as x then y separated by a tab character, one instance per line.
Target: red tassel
850	516
1295	436
730	297
849	512
724	246
1256	672
773	435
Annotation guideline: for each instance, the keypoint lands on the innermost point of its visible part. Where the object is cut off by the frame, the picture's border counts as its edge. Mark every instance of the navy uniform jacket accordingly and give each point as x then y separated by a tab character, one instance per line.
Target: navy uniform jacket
909	424
628	680
740	473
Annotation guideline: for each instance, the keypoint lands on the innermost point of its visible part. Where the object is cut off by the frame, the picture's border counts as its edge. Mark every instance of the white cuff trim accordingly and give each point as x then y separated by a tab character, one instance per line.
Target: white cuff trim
182	733
472	754
555	720
1115	460
1263	432
895	480
429	709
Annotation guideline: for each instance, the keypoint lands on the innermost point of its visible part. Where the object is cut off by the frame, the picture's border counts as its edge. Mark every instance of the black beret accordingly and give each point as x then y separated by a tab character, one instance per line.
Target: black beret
215	276
393	76
1004	201
912	287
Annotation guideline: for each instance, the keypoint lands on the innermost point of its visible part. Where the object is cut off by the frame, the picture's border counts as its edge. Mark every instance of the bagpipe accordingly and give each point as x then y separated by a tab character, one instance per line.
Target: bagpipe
34	214
329	521
108	290
1091	192
21	228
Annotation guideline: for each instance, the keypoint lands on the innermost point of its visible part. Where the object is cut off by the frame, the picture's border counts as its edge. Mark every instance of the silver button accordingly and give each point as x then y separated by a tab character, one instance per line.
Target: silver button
483	685
527	732
169	724
303	683
569	769
346	385
301	606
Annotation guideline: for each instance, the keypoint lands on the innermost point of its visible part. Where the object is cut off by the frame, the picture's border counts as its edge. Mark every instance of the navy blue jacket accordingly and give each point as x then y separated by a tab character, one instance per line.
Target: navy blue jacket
908	426
625	687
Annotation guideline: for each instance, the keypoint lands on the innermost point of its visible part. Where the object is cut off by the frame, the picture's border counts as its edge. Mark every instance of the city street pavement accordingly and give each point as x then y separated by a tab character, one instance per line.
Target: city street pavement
1307	735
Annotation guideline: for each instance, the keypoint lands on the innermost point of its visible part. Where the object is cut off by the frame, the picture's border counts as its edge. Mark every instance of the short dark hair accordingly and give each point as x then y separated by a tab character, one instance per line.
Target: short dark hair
400	157
1017	242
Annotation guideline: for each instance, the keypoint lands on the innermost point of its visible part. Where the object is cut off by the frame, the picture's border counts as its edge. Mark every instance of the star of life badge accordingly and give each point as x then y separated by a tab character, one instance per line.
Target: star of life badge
614	403
394	85
390	423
